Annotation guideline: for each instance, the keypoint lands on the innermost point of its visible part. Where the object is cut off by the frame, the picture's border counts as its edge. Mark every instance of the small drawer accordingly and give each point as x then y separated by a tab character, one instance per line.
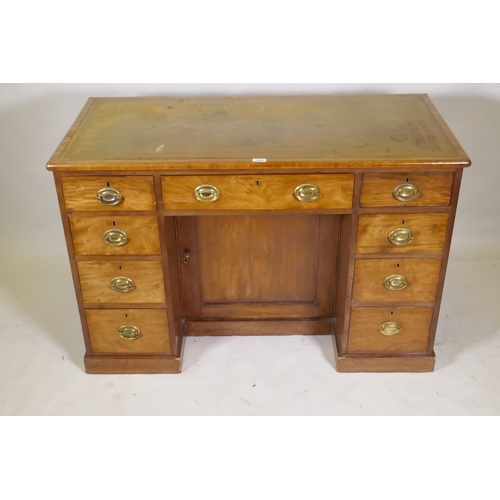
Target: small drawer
258	192
401	233
109	193
124	282
410	190
396	280
115	235
128	331
406	329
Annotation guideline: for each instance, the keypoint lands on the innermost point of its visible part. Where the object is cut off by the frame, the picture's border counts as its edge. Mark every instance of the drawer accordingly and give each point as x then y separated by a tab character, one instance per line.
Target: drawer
129	193
146	282
396	280
258	192
115	235
407	329
145	331
410	233
399	190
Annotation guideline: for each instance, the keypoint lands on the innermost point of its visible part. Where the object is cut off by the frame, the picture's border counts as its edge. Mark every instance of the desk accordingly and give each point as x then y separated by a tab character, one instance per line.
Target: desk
259	216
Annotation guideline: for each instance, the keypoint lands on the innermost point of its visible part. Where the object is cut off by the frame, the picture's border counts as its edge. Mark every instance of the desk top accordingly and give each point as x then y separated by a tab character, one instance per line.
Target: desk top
258	132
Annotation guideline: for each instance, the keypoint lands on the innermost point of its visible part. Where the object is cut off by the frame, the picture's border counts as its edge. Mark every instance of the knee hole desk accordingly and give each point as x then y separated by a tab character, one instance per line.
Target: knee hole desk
259	216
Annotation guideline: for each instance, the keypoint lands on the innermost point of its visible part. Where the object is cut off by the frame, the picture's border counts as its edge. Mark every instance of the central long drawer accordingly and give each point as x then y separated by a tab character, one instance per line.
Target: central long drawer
258	192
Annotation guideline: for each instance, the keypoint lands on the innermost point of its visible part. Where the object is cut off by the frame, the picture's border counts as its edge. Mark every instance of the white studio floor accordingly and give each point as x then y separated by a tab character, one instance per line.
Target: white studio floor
41	360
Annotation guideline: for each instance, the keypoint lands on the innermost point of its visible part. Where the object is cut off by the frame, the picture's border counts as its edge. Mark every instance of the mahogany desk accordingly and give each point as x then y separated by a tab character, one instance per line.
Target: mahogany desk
259	216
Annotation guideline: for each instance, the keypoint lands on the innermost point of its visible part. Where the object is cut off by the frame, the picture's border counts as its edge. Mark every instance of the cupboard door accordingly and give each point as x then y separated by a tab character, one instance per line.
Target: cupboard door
251	267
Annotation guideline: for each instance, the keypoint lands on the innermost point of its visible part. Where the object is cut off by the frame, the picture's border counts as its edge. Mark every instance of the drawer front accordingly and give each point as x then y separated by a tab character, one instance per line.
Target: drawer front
106	326
396	280
259	192
413	322
132	193
420	233
115	235
146	287
381	190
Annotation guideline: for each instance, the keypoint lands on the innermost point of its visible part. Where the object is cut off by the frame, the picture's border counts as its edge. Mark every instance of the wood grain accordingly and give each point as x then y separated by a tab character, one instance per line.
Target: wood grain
142	232
365	337
382	130
127	364
429	231
95	278
245	267
258	192
385	364
422	275
434	189
152	323
260	327
80	193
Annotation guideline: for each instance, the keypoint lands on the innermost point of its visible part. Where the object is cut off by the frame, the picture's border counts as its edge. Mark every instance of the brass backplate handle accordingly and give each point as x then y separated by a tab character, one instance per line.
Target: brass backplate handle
129	332
109	196
396	282
406	192
206	193
401	236
390	328
122	284
115	237
306	192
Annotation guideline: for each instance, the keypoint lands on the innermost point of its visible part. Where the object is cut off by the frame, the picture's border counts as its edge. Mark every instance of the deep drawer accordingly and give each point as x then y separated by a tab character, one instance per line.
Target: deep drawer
410	233
258	192
413	323
133	331
129	193
396	280
115	235
97	279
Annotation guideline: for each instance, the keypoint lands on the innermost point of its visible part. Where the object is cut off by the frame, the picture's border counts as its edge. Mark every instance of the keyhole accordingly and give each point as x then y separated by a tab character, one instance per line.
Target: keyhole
392	313
126	315
107	184
256	183
403	221
119	267
186	256
397	265
114	223
407	179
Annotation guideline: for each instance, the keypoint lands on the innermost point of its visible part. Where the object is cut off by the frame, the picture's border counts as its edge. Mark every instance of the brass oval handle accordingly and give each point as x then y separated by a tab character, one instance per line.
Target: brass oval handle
109	196
406	192
401	236
115	237
122	284
306	192
129	332
390	328
396	282
206	193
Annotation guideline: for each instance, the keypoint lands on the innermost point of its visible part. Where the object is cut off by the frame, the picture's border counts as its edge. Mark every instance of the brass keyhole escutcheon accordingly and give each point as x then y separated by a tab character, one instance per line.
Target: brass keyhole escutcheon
401	236
406	192
129	332
122	284
306	192
109	196
396	282
390	328
206	193
115	237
